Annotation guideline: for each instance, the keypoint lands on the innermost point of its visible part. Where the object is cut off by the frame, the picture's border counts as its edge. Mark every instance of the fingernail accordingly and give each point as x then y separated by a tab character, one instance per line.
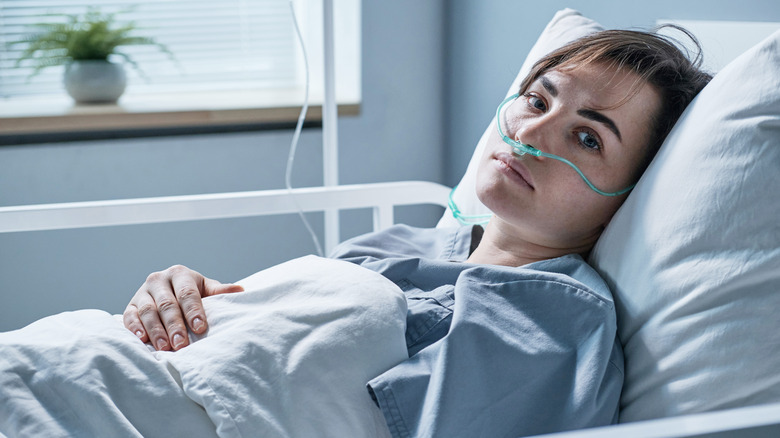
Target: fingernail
161	344
139	333
197	324
178	340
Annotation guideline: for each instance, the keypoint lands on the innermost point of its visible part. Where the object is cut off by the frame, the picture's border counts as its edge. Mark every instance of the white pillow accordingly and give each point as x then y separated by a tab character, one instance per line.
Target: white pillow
693	256
567	25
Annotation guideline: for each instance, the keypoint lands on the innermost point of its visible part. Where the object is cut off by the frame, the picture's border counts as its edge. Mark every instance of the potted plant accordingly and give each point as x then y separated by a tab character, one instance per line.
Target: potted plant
84	45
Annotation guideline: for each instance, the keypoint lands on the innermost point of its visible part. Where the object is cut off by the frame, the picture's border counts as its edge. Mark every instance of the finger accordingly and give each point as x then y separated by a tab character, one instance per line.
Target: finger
192	306
214	287
133	322
150	319
196	315
170	299
188	287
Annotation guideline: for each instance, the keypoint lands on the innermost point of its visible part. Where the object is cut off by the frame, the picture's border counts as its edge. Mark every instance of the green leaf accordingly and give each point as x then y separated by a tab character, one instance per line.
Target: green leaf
89	36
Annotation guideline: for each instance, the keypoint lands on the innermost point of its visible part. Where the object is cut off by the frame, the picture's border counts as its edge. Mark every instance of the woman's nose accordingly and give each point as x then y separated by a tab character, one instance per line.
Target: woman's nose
532	132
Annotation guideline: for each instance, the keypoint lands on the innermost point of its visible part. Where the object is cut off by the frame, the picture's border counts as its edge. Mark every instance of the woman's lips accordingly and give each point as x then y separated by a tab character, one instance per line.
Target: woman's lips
514	168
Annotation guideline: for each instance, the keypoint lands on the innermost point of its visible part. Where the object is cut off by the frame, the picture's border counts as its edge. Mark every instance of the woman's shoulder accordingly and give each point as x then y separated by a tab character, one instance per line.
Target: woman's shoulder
407	241
576	269
566	276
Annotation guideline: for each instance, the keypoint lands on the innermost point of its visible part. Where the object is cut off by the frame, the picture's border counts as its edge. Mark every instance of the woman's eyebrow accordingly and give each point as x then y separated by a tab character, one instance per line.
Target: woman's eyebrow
549	86
601	118
587	113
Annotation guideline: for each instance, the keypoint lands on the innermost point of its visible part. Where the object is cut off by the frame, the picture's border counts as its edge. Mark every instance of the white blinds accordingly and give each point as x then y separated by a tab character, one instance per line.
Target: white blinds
225	44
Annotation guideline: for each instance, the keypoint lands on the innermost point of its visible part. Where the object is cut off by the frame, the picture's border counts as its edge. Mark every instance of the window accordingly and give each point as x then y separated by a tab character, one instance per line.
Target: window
228	55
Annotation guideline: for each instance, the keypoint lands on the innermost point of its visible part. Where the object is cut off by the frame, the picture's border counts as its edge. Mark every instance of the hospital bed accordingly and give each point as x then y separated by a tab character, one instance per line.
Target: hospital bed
693	256
382	198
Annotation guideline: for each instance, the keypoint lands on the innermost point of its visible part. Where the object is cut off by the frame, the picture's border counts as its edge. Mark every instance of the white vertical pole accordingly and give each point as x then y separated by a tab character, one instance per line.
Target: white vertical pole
329	126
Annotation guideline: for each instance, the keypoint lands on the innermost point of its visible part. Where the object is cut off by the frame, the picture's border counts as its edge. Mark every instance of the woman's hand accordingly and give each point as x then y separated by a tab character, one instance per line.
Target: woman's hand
158	311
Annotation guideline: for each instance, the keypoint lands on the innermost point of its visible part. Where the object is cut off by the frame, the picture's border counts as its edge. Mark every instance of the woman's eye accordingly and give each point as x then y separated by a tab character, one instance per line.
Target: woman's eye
535	102
588	140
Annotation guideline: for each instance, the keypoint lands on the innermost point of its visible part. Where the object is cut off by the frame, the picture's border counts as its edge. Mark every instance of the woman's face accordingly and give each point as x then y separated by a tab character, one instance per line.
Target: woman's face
587	115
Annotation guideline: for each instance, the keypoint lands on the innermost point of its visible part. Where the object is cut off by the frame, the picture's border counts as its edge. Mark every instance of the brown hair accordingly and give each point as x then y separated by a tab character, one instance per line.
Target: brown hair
655	58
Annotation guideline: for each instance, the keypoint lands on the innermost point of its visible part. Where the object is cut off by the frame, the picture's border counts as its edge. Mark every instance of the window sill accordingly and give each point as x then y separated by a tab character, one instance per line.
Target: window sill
47	115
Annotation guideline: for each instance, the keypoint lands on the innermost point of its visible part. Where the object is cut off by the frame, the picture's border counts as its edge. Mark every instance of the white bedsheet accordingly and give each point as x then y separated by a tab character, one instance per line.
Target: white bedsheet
288	357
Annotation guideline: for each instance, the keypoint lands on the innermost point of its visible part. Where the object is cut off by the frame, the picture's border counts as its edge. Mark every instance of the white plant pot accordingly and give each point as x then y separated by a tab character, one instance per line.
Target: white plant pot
95	81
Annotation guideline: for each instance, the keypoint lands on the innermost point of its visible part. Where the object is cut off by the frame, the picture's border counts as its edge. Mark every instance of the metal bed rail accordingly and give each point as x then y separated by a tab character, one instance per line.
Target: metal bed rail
382	197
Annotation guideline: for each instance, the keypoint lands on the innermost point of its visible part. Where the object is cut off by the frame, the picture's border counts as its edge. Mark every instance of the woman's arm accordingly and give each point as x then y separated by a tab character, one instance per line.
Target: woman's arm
158	310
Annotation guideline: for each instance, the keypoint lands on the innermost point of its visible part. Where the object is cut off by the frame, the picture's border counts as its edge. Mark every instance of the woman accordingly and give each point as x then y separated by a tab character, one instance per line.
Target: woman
519	338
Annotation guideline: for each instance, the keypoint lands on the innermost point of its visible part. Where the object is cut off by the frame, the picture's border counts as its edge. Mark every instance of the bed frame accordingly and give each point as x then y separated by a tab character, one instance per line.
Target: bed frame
755	421
382	197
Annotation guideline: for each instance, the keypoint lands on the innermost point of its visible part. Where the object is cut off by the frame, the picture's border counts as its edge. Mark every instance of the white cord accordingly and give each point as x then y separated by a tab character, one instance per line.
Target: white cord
296	136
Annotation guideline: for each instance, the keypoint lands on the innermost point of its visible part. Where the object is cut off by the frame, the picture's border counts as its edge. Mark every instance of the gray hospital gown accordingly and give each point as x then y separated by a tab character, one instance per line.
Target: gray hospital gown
493	351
